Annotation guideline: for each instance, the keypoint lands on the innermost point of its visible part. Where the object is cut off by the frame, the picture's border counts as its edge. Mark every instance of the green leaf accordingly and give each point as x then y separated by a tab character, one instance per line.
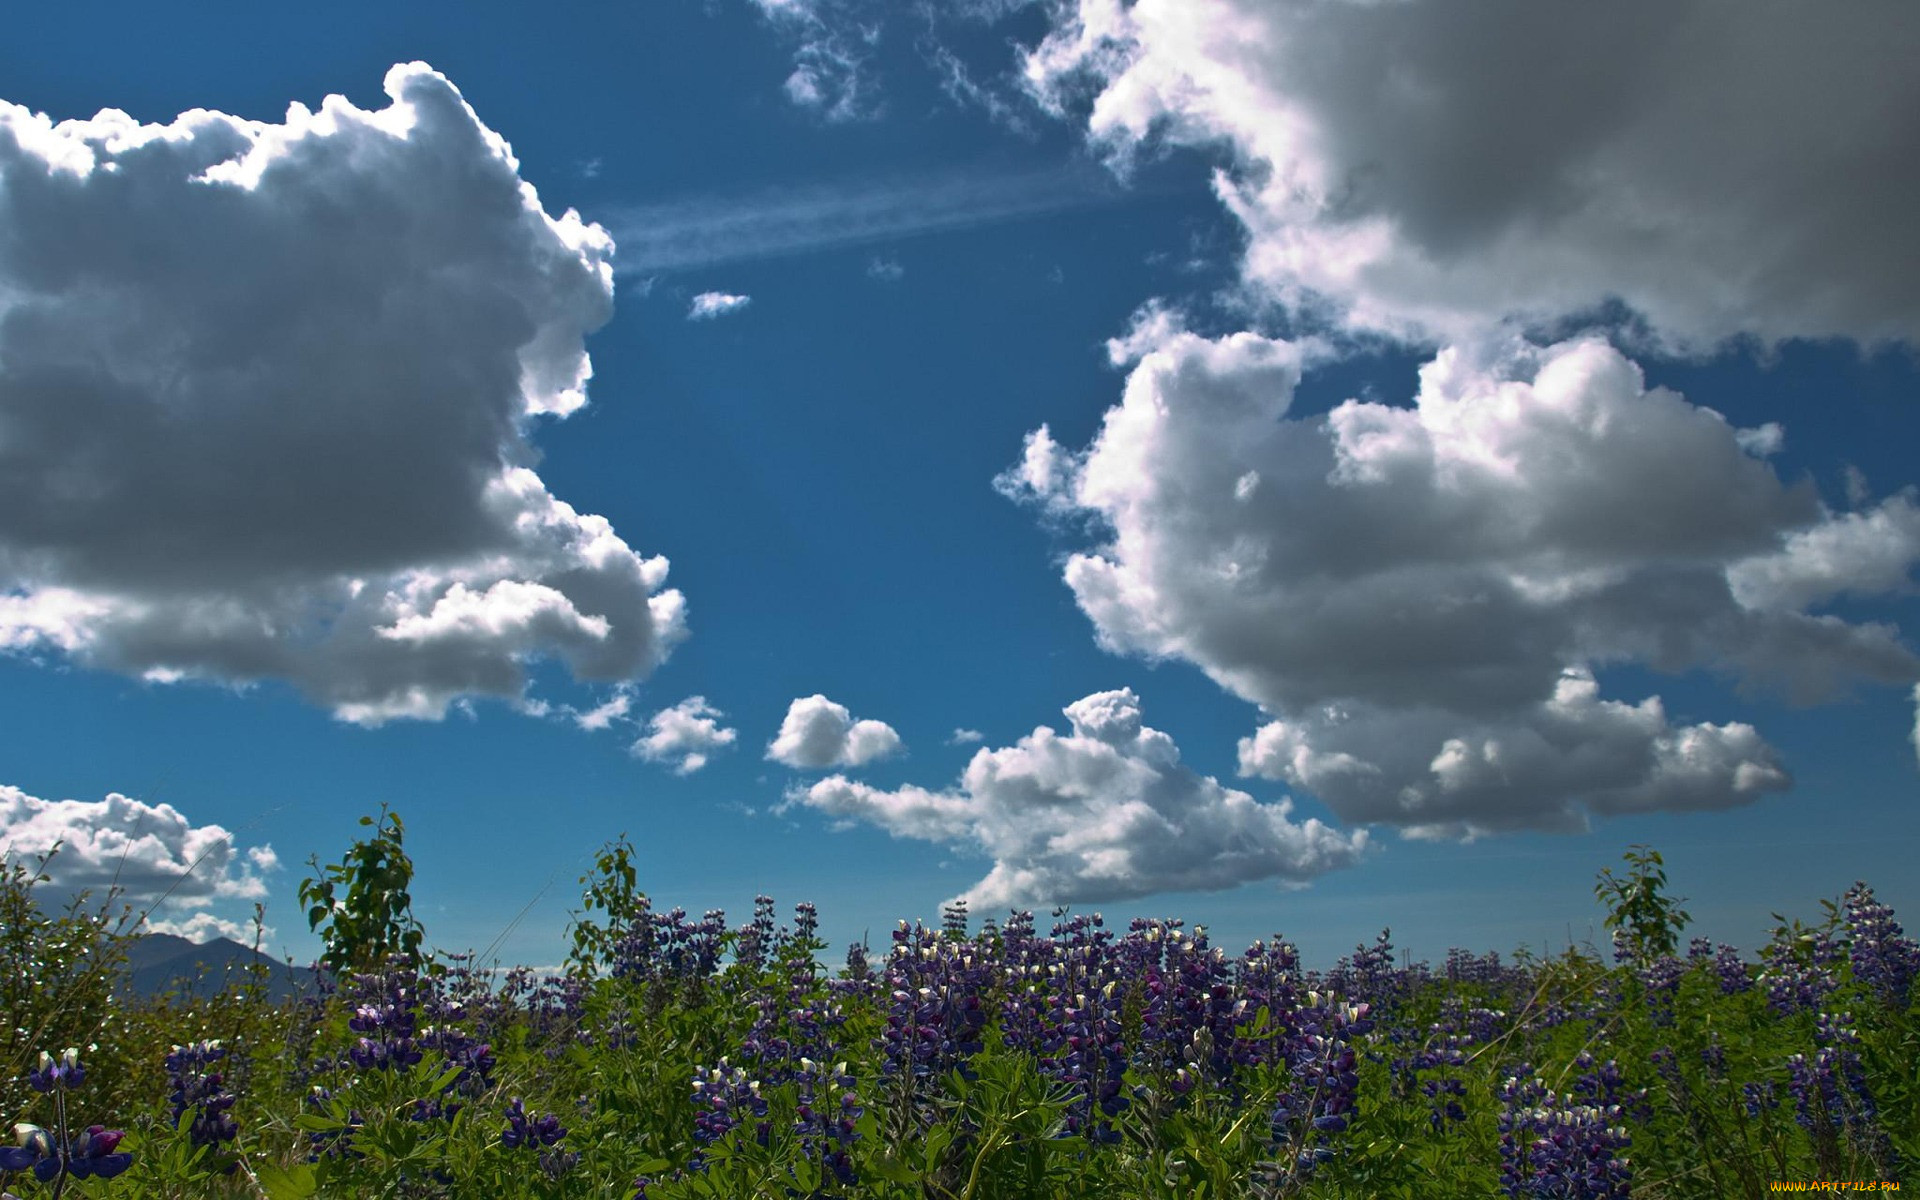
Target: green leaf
937	1140
282	1183
315	1123
893	1170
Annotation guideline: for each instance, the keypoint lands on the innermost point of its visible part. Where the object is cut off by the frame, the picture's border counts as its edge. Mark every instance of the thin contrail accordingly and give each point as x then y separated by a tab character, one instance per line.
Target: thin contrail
707	231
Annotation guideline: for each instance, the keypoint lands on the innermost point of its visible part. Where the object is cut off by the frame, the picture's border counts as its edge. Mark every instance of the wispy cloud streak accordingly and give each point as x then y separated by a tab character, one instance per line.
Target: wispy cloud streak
712	230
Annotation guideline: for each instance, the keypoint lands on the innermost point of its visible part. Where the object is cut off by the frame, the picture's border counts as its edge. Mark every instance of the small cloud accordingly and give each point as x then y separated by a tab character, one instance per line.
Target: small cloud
819	733
1761	441
708	305
833	51
1858	492
966	737
605	715
689	732
886	270
590	169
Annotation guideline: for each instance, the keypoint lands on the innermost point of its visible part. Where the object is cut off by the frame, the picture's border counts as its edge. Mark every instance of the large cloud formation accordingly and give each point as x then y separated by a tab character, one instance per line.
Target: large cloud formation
1422	168
265	393
1418	596
150	851
817	733
1106	812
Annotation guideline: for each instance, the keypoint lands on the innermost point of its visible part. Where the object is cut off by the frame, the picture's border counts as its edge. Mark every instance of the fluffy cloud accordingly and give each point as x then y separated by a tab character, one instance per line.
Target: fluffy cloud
1427	167
1416	595
966	737
150	851
708	305
265	398
204	927
690	731
817	733
1106	812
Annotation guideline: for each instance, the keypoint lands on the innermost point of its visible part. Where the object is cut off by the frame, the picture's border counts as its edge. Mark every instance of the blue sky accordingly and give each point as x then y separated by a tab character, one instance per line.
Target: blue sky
1257	464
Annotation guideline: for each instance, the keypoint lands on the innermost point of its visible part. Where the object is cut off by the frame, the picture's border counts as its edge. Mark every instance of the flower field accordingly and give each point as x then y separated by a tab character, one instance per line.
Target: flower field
1024	1057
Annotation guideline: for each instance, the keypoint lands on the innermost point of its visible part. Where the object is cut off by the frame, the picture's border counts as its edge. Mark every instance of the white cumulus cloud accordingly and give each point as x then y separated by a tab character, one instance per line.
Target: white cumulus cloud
1417	596
686	735
1106	812
1424	167
204	927
266	393
817	733
709	305
150	851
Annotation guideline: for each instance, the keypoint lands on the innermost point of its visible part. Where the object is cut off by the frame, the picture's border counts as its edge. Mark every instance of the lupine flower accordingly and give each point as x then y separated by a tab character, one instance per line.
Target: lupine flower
1320	1099
1731	971
1884	958
1368	974
36	1152
1267	977
532	1131
555	1163
93	1153
1830	1092
825	1117
953	920
1076	1023
722	1093
1187	987
63	1072
857	967
1445	1049
756	937
1551	1147
198	1088
1796	974
1661	978
385	1019
461	1049
555	1009
936	1015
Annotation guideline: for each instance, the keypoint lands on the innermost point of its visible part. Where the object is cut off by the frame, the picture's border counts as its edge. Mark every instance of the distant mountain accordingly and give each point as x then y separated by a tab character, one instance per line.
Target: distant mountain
161	962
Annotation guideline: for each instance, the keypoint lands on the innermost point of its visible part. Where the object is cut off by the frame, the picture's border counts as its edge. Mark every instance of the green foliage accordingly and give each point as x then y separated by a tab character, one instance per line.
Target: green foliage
374	920
57	974
1639	907
611	889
